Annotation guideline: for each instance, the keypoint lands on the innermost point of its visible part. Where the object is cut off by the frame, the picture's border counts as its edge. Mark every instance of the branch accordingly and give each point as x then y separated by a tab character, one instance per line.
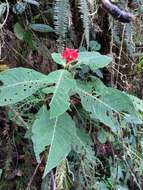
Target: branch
117	13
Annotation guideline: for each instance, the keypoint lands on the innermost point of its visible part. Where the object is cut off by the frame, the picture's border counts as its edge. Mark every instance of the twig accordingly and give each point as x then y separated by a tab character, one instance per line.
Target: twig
117	13
20	118
7	13
53	181
32	177
120	51
84	173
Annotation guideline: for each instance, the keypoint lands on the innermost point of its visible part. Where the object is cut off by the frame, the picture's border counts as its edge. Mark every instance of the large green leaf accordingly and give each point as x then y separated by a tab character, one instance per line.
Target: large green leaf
59	133
19	83
93	59
64	82
103	103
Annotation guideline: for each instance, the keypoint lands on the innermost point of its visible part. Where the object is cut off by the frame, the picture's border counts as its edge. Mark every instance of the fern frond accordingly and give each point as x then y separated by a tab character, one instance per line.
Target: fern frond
61	18
61	178
129	39
92	5
83	5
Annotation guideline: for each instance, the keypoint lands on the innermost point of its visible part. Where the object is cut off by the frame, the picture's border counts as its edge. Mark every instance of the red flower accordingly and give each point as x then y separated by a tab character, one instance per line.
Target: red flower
70	55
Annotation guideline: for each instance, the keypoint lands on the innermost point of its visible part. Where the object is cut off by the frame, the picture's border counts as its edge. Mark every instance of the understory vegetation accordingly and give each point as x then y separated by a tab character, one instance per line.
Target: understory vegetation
71	89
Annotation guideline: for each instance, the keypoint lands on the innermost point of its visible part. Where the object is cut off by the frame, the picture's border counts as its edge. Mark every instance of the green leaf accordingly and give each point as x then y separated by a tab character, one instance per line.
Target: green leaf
59	133
102	136
119	187
102	186
19	31
83	145
94	45
104	104
41	27
28	39
57	58
81	49
22	34
138	103
140	10
33	2
2	9
93	59
19	83
60	101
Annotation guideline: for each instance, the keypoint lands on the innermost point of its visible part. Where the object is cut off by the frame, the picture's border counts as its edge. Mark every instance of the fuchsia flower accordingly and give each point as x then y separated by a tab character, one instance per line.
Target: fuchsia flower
70	55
